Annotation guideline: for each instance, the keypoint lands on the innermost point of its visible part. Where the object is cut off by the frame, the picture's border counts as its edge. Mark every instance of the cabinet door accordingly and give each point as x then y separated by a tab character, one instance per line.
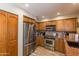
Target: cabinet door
59	45
59	25
37	41
3	32
12	34
41	41
70	25
37	26
62	46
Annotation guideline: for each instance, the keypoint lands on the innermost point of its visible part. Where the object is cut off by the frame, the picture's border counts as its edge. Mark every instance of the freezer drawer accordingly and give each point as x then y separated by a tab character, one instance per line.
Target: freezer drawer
32	48
26	50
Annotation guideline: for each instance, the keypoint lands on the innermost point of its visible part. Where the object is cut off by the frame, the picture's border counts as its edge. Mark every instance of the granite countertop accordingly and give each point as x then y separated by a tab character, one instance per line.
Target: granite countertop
73	44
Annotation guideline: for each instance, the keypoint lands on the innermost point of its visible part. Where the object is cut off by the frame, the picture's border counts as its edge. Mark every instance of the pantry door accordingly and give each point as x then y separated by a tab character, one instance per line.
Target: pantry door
3	33
12	34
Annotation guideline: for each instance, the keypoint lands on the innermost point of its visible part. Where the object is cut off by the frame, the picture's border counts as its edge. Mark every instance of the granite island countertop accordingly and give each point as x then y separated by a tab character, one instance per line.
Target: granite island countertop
73	44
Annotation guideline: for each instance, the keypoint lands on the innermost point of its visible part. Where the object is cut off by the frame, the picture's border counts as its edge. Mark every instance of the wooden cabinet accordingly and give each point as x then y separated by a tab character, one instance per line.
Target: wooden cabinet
68	25
8	33
12	34
28	20
60	25
59	45
3	33
40	41
70	50
42	25
37	26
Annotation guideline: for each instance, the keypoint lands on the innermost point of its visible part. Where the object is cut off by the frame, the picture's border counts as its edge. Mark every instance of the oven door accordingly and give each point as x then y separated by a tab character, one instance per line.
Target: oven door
49	42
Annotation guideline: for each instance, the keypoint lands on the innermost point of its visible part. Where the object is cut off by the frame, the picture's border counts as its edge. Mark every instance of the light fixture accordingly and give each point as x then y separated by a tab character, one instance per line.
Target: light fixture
58	13
27	5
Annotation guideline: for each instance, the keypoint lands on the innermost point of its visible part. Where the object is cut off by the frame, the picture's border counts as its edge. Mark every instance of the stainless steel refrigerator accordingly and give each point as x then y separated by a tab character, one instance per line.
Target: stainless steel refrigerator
28	38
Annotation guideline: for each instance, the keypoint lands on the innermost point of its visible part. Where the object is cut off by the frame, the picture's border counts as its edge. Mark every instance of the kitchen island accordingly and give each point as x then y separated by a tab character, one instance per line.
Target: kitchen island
72	48
73	44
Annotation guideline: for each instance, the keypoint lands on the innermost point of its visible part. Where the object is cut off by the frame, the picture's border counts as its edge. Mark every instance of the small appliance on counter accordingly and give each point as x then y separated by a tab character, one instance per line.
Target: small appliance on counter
76	38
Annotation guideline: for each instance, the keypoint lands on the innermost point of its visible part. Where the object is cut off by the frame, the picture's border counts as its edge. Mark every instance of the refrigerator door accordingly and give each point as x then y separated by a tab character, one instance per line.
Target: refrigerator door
25	33
32	33
32	48
26	50
25	39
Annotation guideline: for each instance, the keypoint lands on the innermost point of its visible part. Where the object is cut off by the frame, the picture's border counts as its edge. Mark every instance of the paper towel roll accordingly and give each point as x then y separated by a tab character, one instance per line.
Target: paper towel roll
76	37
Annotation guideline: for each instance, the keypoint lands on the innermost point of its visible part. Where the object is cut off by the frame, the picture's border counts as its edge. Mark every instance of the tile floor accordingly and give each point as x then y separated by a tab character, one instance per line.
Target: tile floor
41	51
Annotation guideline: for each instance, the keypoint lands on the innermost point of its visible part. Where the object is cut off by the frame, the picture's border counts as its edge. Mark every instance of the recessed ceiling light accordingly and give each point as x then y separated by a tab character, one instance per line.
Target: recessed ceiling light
58	13
27	5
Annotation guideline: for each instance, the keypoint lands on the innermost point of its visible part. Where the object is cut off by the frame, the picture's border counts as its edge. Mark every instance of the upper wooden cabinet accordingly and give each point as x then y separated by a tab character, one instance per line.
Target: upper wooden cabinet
68	25
60	25
42	25
28	19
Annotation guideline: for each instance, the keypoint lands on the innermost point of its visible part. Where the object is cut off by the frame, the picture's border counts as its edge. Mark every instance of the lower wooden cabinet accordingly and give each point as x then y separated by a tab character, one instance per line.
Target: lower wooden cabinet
59	45
39	41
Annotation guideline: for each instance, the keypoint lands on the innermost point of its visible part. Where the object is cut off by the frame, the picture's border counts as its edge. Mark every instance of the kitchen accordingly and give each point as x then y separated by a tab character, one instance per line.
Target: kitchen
51	31
57	35
64	30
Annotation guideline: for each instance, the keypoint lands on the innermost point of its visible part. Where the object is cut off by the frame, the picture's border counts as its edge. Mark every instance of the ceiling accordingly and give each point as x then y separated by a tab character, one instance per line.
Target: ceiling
49	10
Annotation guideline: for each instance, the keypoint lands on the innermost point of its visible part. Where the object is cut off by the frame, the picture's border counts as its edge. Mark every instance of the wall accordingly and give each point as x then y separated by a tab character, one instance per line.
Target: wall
13	9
